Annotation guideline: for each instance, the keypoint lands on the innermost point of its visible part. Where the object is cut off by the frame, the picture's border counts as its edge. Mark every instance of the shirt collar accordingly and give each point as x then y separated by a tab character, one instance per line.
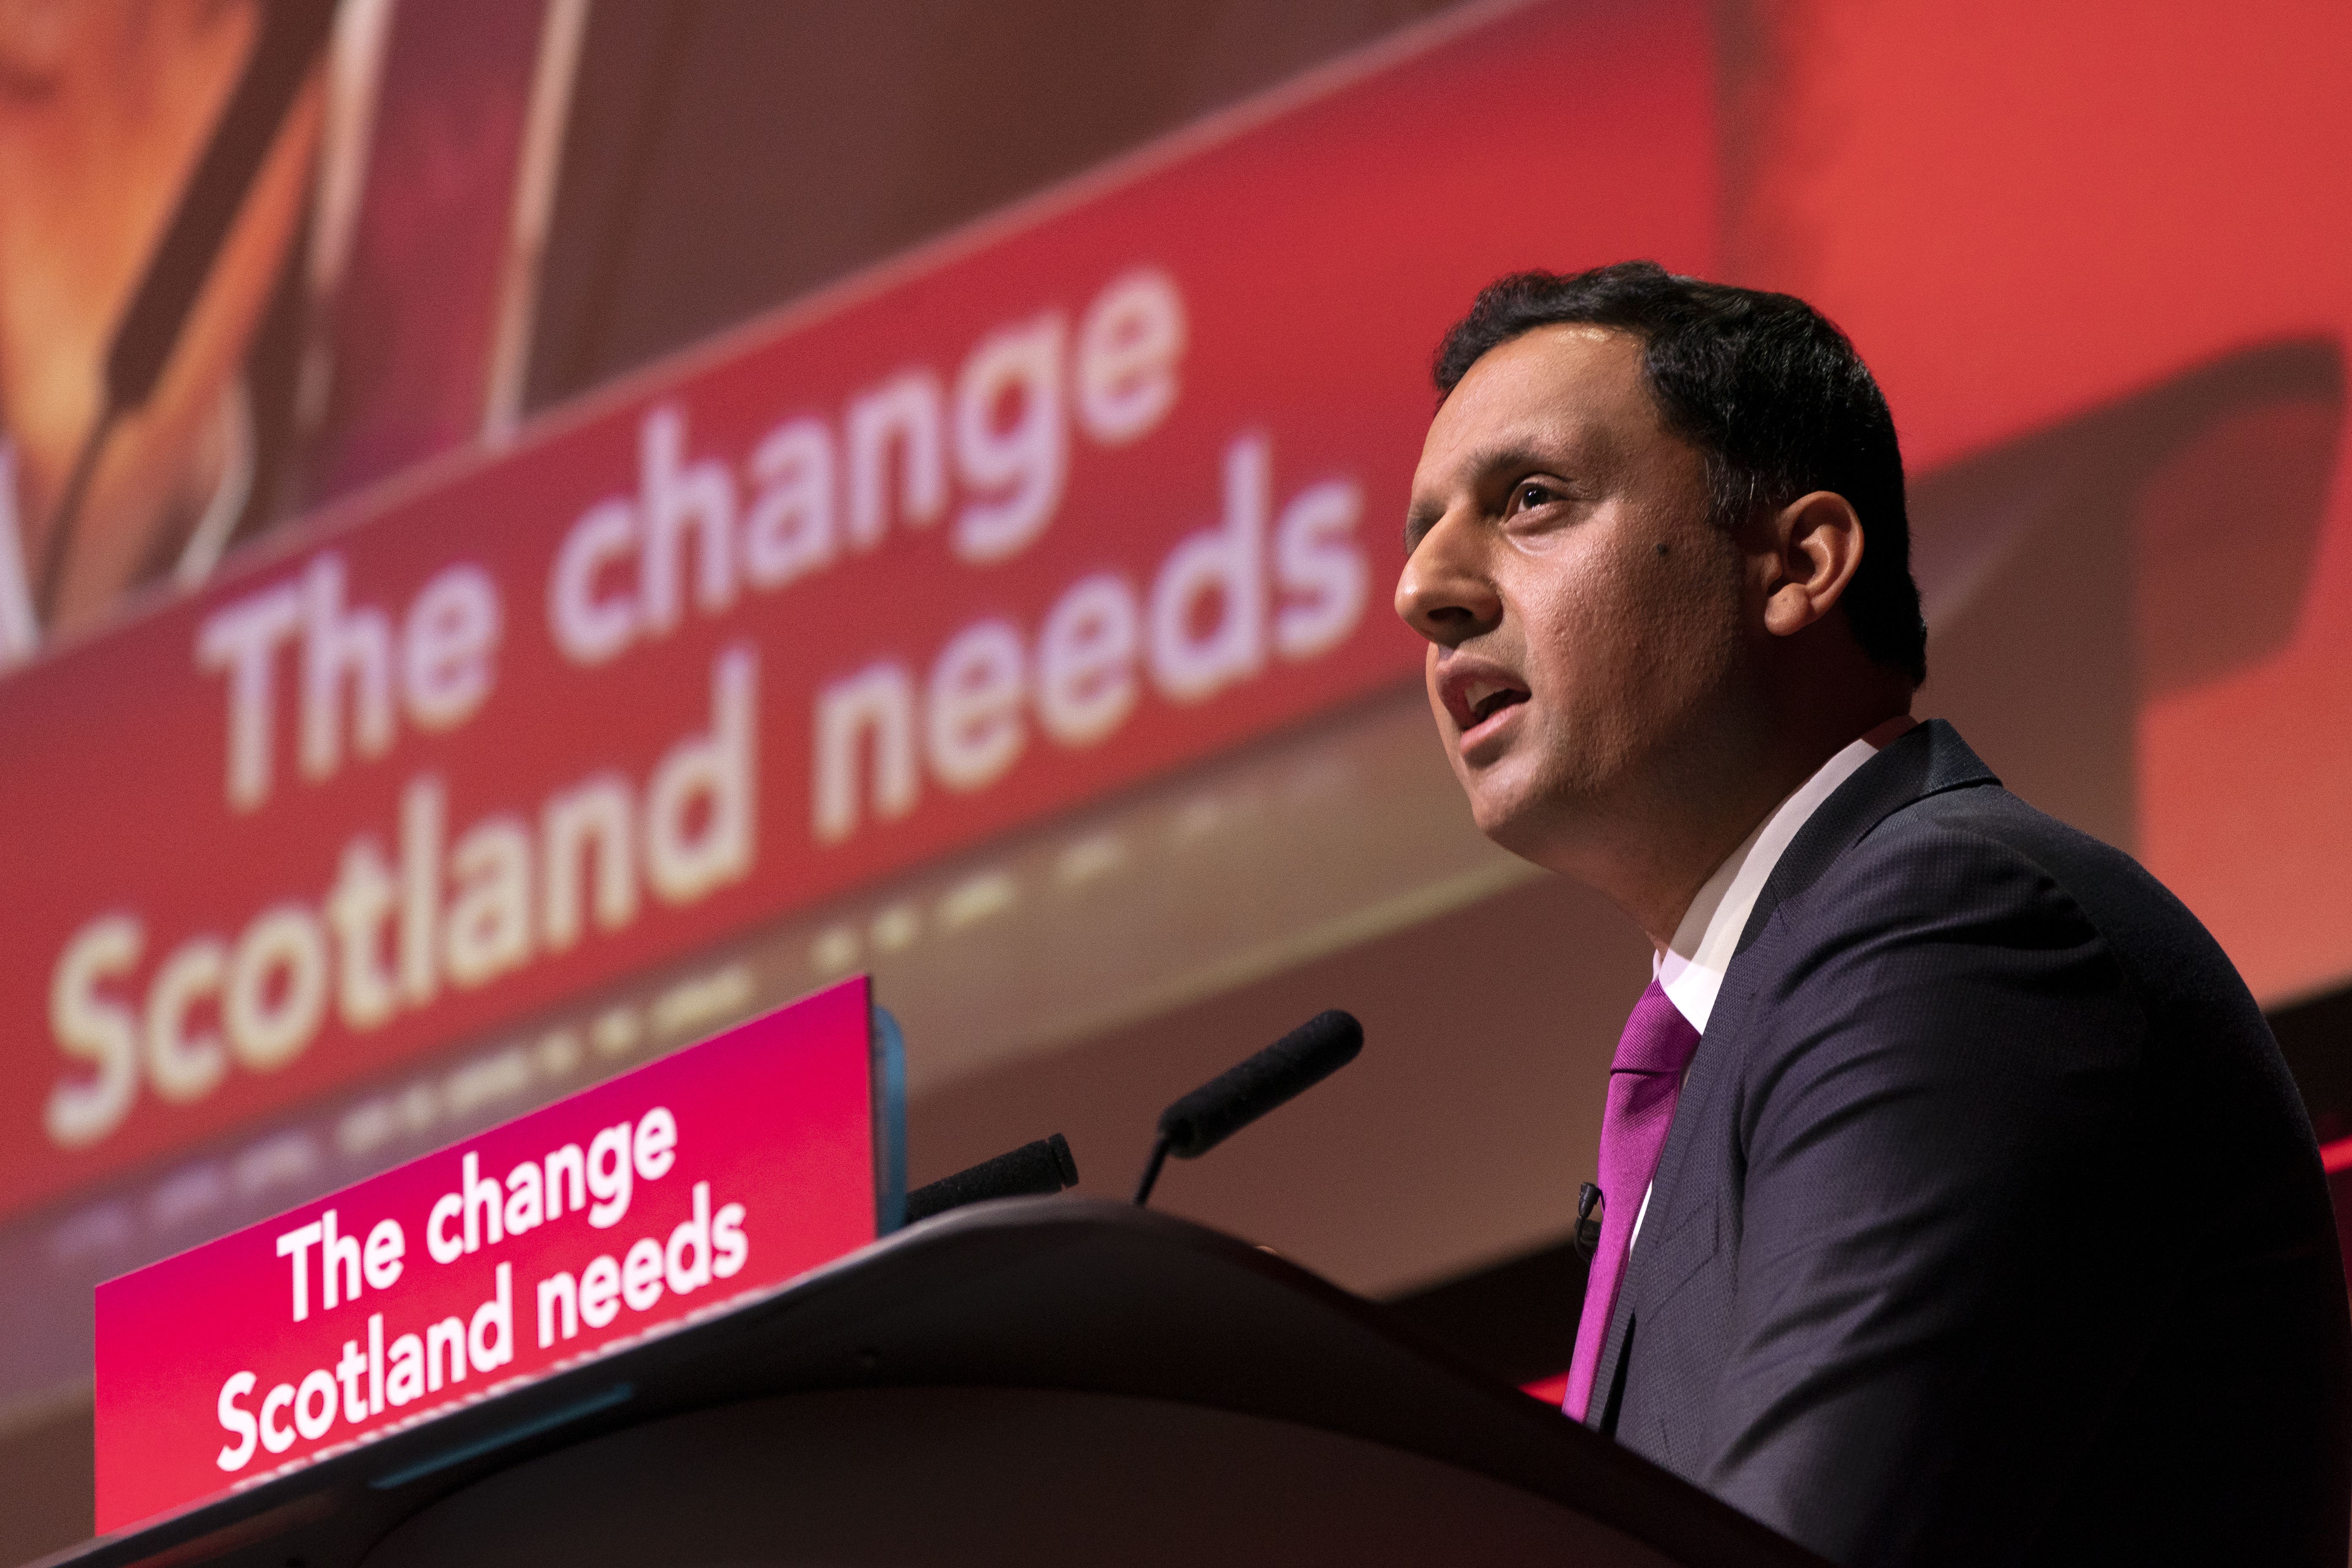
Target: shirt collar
1692	968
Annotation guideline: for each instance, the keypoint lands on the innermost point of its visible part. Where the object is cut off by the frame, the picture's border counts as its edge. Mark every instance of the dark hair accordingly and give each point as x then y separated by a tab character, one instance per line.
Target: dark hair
1766	387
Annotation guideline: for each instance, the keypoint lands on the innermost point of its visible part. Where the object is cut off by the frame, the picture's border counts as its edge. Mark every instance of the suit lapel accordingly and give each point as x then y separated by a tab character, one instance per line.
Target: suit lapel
1928	759
1925	761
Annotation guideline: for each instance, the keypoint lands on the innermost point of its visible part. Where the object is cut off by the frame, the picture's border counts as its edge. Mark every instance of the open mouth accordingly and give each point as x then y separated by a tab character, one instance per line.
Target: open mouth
1477	697
1488	698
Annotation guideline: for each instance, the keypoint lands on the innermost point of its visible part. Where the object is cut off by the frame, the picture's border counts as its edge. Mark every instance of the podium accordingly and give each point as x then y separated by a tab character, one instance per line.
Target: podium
1031	1381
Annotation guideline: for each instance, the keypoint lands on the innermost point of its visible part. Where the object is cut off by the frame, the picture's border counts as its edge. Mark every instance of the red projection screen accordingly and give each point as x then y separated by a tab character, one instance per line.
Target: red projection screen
625	485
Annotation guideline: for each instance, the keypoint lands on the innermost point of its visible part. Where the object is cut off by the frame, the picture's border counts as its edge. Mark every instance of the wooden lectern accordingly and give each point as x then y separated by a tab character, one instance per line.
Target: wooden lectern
1033	1380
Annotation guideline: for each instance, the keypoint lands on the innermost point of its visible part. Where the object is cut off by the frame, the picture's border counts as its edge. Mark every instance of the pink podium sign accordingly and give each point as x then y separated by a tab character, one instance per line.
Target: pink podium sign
659	1197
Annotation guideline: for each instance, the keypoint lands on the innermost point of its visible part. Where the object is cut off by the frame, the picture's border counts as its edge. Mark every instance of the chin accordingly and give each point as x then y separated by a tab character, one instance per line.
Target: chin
1509	817
1545	815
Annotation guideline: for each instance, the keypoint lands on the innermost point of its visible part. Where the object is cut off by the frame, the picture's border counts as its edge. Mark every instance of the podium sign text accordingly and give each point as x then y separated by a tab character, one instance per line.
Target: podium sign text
662	1196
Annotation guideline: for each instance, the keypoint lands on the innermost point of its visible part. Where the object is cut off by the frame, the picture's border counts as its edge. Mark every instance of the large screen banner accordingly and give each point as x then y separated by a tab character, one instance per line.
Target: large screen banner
1105	485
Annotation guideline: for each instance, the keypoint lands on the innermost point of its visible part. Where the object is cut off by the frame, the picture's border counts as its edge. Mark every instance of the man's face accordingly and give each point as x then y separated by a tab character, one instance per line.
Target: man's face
1583	613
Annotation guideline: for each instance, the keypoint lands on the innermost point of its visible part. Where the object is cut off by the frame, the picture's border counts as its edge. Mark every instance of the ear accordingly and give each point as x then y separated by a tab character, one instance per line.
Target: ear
1806	554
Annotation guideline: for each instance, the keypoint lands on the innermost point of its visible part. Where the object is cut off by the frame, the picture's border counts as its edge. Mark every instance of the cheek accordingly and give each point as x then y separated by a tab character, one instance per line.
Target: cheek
1636	621
1585	634
1619	649
1698	614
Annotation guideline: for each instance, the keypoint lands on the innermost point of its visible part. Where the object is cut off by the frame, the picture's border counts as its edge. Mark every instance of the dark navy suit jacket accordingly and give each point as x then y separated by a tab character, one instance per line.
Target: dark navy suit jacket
1991	1228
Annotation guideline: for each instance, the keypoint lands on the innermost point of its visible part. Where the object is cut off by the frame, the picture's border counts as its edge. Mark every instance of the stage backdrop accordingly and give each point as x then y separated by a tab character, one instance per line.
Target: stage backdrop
606	479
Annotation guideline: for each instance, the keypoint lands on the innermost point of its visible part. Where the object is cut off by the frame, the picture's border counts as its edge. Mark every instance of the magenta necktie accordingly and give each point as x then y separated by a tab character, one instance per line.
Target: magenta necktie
1643	1081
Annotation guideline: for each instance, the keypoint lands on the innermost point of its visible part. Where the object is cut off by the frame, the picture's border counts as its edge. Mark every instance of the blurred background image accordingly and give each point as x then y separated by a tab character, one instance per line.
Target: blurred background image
533	529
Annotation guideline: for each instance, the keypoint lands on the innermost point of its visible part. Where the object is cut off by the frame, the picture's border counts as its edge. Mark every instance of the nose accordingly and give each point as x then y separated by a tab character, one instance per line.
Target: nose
1446	593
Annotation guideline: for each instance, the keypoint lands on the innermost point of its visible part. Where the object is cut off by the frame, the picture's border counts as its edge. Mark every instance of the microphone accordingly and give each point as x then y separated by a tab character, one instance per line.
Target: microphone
1042	1167
1240	1094
1586	1238
292	33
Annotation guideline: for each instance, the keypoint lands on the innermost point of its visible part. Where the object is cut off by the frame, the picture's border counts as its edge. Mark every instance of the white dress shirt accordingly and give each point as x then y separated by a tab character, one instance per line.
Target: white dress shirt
1691	970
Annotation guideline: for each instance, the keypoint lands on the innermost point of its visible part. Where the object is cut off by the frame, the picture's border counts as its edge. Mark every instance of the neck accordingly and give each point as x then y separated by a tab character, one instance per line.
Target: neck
1653	854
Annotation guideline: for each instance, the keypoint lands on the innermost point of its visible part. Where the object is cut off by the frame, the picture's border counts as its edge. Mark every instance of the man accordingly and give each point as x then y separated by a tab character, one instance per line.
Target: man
1955	1205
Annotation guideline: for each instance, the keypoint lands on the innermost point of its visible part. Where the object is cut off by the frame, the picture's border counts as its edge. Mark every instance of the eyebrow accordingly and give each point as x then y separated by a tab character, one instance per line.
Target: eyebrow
1511	455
